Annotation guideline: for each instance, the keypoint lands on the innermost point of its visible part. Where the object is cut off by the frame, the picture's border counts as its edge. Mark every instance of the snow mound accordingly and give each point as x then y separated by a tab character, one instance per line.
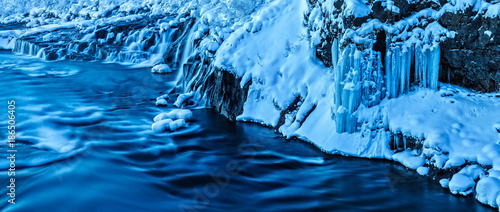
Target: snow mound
171	121
423	170
473	171
168	125
175	114
161	102
161	125
161	69
461	184
488	191
444	183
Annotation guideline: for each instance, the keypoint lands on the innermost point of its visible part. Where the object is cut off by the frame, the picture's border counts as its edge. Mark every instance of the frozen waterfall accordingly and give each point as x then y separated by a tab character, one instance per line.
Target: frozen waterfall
359	77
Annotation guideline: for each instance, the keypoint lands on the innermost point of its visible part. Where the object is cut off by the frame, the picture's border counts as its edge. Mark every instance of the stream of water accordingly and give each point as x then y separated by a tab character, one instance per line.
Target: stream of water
85	143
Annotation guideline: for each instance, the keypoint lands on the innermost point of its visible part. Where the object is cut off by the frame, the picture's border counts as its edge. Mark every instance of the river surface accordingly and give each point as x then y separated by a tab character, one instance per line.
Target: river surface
85	143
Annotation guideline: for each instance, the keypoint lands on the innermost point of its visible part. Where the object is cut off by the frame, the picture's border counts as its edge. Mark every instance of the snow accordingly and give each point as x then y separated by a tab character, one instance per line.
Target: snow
488	191
423	170
409	159
179	123
8	38
161	125
172	121
168	125
357	8
183	98
162	102
473	171
461	184
488	32
161	69
444	183
461	125
175	114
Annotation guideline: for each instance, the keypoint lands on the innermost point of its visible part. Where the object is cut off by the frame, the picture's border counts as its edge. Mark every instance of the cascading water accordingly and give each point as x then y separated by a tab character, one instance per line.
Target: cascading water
25	47
186	53
138	47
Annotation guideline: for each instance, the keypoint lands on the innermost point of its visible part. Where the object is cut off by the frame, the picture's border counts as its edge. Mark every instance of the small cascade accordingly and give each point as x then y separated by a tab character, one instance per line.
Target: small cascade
186	53
25	47
398	66
143	46
358	80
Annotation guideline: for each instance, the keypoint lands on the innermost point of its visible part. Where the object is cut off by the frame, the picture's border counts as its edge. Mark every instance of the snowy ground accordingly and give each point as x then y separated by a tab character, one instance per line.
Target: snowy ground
267	42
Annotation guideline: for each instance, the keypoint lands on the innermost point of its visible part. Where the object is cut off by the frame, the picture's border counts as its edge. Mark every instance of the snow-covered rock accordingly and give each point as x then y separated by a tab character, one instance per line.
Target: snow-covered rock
172	120
461	184
161	69
161	102
183	99
444	183
488	191
423	170
175	114
473	171
161	125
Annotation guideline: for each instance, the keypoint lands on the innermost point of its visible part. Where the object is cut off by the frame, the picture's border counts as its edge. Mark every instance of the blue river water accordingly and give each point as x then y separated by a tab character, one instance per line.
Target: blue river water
85	143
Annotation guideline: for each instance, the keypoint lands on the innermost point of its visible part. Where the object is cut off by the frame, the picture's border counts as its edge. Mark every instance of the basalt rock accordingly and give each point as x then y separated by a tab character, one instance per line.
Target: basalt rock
472	58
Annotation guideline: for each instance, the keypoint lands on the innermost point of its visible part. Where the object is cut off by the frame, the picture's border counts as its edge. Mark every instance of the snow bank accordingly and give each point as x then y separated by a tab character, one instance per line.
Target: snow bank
8	38
409	159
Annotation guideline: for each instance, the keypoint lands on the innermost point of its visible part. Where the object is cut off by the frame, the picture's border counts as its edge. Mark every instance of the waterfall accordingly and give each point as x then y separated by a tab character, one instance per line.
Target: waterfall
186	53
25	47
138	48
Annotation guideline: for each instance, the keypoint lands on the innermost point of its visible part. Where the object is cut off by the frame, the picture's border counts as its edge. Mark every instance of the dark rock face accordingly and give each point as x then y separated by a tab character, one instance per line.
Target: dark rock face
226	96
471	59
221	88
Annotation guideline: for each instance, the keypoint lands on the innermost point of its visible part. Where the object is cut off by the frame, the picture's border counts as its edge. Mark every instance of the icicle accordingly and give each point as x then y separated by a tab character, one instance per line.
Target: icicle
335	52
434	67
